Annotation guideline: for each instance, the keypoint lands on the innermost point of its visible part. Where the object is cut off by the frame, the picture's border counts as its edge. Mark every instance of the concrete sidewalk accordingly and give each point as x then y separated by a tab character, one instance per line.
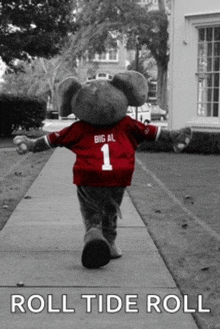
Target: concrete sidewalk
41	249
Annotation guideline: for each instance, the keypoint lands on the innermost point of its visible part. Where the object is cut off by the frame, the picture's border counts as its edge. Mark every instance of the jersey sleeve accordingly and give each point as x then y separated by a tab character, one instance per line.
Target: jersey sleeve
65	137
143	132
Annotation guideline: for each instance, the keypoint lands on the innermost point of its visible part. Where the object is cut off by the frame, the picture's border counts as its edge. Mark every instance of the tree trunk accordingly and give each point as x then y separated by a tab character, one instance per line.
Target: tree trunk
162	67
162	86
51	82
161	5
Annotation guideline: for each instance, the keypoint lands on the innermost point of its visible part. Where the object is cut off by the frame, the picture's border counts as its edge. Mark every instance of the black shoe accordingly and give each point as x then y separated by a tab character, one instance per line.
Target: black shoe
96	253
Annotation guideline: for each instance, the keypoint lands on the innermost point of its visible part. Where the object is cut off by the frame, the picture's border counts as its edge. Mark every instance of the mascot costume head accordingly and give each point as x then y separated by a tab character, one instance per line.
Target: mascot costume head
102	102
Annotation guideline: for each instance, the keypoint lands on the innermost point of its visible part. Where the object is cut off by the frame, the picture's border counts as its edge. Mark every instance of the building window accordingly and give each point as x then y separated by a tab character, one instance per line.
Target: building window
100	76
208	71
110	56
113	55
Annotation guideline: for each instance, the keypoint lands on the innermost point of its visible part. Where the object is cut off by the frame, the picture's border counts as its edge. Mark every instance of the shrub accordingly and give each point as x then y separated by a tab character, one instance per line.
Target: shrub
202	142
20	112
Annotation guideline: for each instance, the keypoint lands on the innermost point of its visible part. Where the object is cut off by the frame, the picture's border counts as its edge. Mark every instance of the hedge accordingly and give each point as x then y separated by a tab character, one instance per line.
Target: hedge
201	143
20	112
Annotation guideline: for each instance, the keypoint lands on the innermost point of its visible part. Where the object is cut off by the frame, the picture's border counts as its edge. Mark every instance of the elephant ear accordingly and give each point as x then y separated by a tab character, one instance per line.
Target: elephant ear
66	90
134	85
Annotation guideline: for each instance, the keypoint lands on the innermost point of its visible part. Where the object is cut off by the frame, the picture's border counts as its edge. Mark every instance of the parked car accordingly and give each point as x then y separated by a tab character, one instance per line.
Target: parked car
143	113
72	117
157	113
100	76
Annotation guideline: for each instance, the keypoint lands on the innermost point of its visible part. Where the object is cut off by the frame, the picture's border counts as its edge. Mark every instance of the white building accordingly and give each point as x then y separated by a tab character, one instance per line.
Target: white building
105	65
194	71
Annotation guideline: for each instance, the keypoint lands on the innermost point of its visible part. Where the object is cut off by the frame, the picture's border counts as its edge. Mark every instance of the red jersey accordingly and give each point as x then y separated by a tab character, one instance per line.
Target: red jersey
105	156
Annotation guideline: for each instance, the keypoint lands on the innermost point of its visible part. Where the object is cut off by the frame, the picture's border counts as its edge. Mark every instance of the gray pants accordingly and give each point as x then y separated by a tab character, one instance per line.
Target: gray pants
100	207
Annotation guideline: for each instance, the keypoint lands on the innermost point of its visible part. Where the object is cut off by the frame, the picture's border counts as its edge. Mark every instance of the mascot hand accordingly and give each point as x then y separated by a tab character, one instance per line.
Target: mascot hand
181	138
23	143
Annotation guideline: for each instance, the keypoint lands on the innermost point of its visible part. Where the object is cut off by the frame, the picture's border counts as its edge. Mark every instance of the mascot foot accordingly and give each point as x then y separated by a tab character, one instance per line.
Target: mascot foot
96	252
115	251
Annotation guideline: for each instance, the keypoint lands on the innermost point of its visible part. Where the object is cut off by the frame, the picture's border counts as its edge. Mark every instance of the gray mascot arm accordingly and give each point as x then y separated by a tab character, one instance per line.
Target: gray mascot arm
25	144
178	138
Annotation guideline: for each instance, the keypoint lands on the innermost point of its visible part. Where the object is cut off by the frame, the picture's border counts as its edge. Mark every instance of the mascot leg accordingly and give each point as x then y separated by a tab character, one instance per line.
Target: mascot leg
100	207
109	230
111	212
96	251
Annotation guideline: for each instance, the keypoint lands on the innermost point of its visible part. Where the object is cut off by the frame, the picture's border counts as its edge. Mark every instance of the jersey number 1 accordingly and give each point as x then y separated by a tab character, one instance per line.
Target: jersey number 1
107	165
